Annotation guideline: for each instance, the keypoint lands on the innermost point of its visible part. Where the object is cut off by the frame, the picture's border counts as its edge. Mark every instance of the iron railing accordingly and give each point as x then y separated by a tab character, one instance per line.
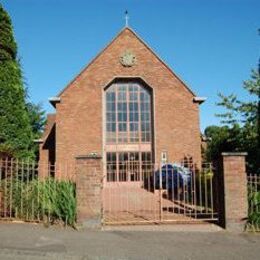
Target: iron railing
147	192
138	192
253	222
30	191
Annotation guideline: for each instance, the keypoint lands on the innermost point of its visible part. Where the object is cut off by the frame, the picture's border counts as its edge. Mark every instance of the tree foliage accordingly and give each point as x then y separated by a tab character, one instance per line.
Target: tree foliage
8	50
238	111
17	117
37	121
241	125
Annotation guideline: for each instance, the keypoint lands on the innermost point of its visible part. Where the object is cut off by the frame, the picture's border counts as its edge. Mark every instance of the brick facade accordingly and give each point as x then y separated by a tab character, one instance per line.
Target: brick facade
47	146
78	128
79	114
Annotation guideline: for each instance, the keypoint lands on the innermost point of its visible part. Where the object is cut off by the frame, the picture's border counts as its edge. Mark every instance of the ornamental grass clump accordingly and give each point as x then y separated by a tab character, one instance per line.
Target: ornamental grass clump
47	200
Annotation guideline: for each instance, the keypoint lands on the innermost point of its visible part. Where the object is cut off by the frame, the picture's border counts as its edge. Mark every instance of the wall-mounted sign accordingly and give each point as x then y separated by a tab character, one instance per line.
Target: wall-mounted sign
164	157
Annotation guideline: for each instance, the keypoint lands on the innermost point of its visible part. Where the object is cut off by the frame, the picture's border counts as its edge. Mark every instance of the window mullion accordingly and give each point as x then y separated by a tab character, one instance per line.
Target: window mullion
116	118
127	114
117	166
139	130
139	114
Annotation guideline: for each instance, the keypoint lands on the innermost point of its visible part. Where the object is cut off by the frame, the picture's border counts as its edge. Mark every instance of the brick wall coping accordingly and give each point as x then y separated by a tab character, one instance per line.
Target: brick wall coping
89	156
234	154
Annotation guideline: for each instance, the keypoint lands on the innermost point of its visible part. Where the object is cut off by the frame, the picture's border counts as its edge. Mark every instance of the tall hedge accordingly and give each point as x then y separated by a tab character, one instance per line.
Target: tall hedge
15	129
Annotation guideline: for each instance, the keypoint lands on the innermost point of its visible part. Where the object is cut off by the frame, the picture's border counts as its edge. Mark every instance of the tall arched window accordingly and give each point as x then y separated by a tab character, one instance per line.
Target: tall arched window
128	114
128	126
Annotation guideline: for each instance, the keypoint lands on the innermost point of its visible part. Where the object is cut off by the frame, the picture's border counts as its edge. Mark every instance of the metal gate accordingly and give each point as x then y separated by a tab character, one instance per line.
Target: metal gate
150	193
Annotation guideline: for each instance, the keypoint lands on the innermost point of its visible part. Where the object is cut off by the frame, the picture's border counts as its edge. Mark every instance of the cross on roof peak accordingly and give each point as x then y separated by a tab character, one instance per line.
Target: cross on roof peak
126	18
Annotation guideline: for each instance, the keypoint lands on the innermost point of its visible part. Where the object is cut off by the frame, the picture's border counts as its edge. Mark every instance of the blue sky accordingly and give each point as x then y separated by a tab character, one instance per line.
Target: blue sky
212	45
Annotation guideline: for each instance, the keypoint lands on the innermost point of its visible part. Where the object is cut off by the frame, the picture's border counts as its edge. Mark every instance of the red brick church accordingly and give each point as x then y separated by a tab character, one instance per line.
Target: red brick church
126	104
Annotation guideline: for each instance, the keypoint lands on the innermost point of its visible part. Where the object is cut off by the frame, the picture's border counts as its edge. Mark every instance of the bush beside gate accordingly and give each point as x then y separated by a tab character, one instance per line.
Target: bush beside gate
253	222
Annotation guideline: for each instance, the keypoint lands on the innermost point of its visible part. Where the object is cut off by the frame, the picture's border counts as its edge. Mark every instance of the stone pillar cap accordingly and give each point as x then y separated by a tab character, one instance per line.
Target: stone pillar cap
234	154
89	156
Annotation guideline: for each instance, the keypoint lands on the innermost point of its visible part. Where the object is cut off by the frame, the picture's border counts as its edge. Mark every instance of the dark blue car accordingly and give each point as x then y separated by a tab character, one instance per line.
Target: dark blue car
173	176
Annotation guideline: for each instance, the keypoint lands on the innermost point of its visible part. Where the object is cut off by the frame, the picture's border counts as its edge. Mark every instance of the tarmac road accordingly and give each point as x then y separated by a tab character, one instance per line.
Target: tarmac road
31	241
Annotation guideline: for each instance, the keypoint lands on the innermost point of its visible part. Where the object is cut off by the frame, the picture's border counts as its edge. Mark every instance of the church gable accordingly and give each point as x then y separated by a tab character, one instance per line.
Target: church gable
127	55
127	99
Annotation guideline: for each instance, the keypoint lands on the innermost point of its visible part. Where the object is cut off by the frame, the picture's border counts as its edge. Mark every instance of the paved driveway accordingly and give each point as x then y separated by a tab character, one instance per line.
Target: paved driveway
30	241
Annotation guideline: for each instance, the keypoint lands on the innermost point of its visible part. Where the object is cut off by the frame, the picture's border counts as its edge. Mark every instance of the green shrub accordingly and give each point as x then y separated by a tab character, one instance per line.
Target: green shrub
36	199
253	209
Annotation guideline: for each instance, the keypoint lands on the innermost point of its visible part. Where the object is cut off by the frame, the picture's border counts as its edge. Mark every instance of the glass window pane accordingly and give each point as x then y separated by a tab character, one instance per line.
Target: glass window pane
122	127
131	88
111	157
145	116
135	87
133	127
122	137
133	106
134	156
145	96
146	137
133	96
111	107
143	126
134	117
110	96
123	157
122	96
111	117
145	106
111	127
134	137
122	117
122	87
121	107
111	167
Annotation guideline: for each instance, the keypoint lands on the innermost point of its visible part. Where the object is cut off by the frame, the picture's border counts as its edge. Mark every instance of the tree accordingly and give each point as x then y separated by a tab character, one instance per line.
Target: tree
37	121
16	121
241	130
245	112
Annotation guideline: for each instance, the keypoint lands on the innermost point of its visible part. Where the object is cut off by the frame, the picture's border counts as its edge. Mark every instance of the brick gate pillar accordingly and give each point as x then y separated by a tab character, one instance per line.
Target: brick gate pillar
88	190
234	192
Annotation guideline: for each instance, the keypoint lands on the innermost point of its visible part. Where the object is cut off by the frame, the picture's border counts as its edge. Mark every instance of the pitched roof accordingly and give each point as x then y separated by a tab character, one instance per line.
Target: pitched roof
51	120
110	43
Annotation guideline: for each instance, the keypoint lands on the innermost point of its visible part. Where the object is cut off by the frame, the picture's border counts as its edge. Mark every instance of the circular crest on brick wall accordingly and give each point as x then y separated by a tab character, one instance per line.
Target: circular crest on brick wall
127	59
